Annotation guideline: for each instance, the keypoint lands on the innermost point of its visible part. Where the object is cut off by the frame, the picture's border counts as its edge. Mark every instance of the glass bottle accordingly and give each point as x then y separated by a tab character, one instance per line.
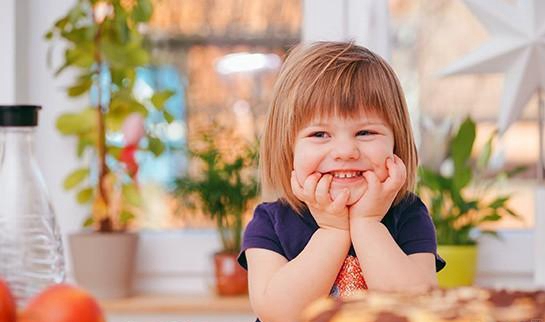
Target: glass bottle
31	252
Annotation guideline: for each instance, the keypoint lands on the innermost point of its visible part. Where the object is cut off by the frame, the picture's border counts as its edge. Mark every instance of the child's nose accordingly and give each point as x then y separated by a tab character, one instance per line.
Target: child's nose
346	150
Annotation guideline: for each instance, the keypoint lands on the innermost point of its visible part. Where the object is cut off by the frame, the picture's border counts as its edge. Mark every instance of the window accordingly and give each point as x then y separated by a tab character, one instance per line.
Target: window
222	58
428	36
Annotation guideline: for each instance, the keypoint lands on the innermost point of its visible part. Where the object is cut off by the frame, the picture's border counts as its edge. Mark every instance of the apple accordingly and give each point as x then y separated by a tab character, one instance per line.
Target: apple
62	303
7	303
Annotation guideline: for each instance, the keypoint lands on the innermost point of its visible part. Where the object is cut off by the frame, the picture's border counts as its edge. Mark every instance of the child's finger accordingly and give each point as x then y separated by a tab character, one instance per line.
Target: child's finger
309	186
296	187
397	173
322	189
372	180
340	201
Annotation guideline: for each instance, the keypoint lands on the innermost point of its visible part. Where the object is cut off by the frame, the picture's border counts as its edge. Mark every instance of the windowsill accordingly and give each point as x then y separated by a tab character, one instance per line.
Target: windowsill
177	304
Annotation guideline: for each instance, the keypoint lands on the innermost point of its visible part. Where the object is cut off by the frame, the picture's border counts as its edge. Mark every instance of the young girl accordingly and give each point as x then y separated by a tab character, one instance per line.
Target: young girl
339	154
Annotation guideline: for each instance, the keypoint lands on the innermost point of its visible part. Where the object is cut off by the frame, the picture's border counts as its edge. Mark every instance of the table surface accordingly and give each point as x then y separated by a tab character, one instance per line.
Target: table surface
178	304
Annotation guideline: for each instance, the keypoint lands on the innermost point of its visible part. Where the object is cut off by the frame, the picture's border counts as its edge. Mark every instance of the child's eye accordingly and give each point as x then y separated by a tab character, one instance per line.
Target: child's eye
319	134
365	133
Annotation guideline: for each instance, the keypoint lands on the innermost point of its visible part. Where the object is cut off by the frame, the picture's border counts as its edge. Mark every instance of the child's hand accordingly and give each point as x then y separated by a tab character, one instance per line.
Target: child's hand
379	196
315	193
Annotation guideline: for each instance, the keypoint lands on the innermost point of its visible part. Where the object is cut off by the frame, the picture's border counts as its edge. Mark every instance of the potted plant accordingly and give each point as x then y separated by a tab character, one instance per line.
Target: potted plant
224	188
460	200
104	46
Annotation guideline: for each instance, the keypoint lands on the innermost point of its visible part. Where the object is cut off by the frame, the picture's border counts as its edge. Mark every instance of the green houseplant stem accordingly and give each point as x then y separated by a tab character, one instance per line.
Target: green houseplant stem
103	43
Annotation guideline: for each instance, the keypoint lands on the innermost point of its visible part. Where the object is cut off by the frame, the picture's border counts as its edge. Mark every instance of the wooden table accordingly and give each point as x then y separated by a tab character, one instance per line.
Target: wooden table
194	308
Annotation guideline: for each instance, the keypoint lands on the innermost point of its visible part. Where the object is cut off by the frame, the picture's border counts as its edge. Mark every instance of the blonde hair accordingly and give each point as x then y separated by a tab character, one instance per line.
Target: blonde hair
324	79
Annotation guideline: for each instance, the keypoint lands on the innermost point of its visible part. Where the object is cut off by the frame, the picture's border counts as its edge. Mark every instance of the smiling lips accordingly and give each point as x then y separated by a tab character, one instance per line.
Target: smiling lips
346	175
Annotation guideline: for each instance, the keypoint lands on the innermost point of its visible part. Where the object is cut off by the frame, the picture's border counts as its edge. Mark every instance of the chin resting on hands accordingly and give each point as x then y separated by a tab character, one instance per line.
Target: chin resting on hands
379	196
314	192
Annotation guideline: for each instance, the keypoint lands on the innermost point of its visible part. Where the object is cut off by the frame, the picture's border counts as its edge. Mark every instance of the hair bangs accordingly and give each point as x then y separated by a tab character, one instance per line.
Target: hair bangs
344	89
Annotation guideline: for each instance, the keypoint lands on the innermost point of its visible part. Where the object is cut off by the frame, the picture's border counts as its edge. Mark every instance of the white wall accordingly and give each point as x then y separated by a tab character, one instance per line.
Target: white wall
36	85
364	21
7	54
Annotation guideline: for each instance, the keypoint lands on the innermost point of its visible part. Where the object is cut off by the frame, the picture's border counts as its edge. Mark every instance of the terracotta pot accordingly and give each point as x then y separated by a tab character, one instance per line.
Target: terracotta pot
103	263
231	279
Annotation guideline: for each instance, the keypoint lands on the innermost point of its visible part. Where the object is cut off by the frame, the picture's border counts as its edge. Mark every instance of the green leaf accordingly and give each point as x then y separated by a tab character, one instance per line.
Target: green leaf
81	87
77	123
61	23
142	11
81	56
489	218
122	57
462	177
68	123
75	178
123	78
168	117
83	143
75	13
462	143
499	202
114	151
62	68
88	222
432	180
81	37
486	152
137	57
516	171
49	35
132	195
160	98
120	23
156	146
85	195
126	216
513	214
114	122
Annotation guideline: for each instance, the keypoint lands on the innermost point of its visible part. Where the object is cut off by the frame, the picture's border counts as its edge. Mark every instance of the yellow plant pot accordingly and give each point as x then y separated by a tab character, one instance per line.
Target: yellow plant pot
461	265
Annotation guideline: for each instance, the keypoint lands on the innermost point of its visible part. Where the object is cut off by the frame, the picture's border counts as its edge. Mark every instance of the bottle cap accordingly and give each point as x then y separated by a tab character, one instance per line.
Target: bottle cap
19	115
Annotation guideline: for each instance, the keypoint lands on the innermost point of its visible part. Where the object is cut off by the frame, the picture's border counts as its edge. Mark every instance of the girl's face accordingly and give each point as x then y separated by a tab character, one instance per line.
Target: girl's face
344	148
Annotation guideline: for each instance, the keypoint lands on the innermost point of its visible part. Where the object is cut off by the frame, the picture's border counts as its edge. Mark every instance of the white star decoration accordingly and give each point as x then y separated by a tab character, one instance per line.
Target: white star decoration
517	48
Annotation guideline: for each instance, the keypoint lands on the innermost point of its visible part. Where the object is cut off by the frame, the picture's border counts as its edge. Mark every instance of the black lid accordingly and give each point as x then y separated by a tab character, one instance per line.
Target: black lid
19	115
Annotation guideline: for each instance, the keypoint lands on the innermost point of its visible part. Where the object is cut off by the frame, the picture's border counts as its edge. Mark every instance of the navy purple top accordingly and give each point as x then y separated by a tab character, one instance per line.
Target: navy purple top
276	227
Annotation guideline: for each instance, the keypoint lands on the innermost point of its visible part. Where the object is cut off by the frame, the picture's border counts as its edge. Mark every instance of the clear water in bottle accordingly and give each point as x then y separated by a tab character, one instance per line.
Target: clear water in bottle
31	252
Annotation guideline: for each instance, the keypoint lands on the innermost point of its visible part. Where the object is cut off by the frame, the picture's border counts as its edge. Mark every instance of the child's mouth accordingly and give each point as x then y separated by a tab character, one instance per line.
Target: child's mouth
346	174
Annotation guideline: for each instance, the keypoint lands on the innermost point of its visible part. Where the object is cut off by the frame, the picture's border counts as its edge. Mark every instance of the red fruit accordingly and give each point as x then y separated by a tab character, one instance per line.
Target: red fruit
62	303
7	303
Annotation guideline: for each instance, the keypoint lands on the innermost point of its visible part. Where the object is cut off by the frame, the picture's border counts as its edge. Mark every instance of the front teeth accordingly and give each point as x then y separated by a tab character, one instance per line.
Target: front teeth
347	174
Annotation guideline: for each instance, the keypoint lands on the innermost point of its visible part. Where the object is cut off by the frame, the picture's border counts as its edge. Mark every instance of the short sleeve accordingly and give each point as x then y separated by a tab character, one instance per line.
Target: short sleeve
259	233
416	232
